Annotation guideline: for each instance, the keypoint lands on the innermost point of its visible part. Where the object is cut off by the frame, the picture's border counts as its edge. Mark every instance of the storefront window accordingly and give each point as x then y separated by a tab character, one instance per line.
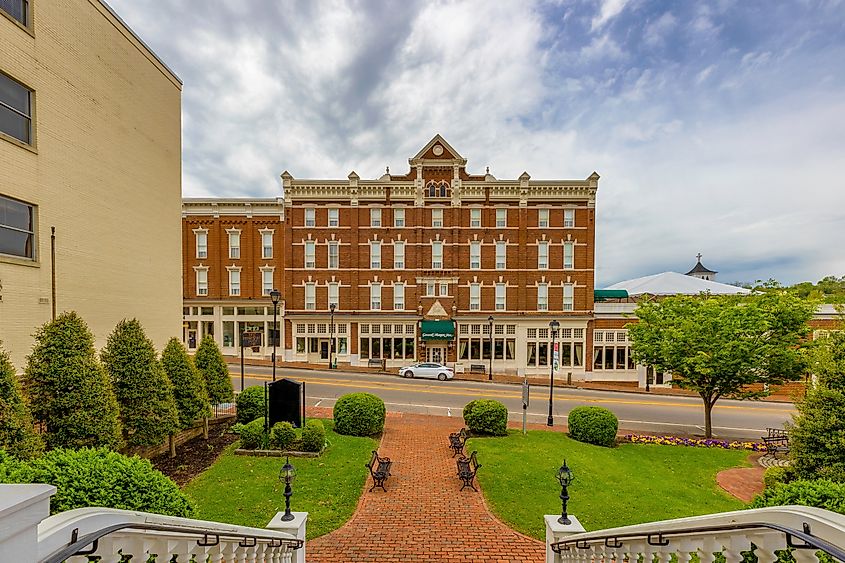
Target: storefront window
485	349
341	345
386	349
228	333
578	349
228	311
375	347
543	353
409	348
620	357
475	349
365	349
598	358
397	348
300	345
510	349
499	349
532	353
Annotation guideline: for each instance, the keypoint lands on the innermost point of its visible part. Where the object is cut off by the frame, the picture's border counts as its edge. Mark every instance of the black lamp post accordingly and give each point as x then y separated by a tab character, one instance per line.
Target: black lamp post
287	476
275	295
332	307
553	326
565	477
490	370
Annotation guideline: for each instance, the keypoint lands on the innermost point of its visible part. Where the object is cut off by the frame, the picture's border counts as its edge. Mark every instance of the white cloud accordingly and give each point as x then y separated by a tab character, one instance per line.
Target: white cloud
609	9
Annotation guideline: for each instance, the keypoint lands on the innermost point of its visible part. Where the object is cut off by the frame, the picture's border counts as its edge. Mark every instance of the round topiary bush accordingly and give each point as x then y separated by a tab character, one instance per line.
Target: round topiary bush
282	435
252	435
250	404
313	436
486	416
593	425
821	493
359	414
101	477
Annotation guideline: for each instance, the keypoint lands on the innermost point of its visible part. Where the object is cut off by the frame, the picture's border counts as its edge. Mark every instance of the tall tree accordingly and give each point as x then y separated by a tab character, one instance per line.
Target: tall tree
17	432
213	367
144	392
69	389
719	346
188	384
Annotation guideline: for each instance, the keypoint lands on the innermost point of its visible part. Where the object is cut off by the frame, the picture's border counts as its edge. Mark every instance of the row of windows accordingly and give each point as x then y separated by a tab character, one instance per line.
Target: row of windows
610	335
333	217
17	228
485	329
612	358
320	328
234	281
201	236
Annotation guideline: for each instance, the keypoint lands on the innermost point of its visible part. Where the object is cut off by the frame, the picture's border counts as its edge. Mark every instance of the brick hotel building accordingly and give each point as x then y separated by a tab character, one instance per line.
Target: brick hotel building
421	266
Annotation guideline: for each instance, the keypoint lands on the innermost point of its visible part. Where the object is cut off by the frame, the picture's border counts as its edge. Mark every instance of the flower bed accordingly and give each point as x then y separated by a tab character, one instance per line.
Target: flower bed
694	442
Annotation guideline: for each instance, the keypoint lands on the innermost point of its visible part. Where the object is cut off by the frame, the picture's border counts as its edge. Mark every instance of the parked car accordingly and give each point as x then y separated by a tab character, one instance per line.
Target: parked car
428	370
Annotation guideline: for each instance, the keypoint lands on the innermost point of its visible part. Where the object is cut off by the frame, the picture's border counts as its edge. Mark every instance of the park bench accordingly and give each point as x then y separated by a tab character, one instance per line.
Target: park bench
467	468
457	441
477	368
776	441
376	363
379	470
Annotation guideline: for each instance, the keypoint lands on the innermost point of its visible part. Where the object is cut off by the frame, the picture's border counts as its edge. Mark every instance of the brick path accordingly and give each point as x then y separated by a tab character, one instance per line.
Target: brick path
743	482
422	516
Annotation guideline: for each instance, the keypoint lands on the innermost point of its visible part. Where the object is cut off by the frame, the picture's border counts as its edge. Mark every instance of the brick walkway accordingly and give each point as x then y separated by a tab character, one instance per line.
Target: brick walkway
743	482
422	516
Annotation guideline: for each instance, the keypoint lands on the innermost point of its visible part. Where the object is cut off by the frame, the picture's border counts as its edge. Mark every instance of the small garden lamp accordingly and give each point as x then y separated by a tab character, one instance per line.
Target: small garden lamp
287	476
565	477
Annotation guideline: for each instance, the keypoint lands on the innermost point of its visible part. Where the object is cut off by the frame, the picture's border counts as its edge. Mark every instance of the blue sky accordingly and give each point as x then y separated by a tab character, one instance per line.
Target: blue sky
717	127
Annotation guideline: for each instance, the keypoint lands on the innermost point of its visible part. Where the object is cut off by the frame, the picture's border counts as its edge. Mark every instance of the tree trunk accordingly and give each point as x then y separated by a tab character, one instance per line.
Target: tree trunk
708	423
172	440
205	428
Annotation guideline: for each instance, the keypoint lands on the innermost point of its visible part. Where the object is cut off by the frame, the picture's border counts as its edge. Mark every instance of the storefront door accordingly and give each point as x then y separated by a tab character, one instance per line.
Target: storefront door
436	353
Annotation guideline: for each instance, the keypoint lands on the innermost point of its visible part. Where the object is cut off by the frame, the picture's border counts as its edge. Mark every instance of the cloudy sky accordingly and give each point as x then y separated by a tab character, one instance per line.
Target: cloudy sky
717	127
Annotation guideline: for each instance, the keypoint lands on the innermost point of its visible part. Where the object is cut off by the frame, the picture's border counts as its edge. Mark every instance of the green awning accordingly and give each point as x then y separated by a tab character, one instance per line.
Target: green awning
438	330
602	294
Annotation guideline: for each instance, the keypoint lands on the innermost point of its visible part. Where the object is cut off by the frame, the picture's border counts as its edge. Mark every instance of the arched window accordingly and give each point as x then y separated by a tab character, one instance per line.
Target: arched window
443	187
432	189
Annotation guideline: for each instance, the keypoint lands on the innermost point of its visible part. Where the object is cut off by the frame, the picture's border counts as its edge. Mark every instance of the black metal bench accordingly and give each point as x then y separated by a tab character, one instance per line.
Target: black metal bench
376	363
457	441
379	470
776	441
477	368
467	468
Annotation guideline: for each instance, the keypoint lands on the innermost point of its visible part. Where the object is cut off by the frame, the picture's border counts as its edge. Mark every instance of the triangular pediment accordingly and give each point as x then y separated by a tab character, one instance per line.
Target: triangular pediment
437	149
436	311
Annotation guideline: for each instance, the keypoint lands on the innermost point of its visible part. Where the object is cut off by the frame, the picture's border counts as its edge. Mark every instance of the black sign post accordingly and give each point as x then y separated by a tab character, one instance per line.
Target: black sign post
526	391
242	358
286	402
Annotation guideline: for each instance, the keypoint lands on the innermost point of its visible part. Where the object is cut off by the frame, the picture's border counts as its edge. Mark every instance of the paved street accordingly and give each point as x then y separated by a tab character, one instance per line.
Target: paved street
636	412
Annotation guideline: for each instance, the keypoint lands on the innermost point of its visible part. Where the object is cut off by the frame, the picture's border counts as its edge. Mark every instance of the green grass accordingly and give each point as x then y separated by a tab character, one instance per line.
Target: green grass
629	484
246	490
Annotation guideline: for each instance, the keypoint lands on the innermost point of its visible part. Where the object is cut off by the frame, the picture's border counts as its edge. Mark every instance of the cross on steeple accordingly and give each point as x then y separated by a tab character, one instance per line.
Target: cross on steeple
698	256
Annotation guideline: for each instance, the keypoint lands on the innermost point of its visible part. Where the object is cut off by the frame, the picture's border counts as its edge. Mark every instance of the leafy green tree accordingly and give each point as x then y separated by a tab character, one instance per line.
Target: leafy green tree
213	368
718	346
17	433
188	384
69	389
143	390
817	435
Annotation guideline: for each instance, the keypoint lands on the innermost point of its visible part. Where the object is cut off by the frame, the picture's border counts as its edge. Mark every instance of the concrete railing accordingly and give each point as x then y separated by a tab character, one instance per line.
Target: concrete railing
29	534
805	532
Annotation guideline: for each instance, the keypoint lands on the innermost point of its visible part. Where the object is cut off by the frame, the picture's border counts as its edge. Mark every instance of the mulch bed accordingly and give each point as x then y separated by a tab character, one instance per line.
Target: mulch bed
195	456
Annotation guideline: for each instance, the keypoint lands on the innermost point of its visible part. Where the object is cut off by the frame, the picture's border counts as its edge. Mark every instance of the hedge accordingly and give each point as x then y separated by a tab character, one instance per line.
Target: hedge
17	433
188	384
212	366
313	436
593	425
359	414
250	403
253	436
822	493
282	436
486	416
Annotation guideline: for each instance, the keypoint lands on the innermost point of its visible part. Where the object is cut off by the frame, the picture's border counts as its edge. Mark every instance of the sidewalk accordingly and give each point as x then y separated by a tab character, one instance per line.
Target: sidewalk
423	516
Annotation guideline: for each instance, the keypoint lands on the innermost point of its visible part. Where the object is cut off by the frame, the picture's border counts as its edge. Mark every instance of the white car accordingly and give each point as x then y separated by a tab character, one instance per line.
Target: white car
428	370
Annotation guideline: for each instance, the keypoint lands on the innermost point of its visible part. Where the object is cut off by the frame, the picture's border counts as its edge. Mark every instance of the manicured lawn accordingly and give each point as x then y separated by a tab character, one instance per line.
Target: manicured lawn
629	484
246	490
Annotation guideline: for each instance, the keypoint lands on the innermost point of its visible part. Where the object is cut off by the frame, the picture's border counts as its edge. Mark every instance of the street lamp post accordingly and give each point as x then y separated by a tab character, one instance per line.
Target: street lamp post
275	295
490	370
332	307
554	325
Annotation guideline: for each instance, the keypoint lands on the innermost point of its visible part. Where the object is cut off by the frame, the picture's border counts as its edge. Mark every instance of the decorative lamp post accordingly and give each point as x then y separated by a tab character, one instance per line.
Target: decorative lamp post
287	476
554	325
275	295
332	307
490	370
565	477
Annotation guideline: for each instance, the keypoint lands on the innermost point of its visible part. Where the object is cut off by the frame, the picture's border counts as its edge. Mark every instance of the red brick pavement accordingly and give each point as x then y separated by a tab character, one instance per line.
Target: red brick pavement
423	516
743	482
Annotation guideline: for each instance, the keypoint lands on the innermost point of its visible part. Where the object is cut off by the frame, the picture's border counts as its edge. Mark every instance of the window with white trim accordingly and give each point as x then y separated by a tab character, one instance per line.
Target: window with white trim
543	297
310	296
500	297
266	281
334	255
542	217
334	217
375	297
398	296
375	255
202	281
568	297
474	297
437	255
399	255
202	243
543	255
568	255
607	355
267	244
437	218
429	289
234	282
310	254
375	217
444	289
310	217
501	218
568	217
475	217
399	217
501	255
15	106
334	294
234	244
475	255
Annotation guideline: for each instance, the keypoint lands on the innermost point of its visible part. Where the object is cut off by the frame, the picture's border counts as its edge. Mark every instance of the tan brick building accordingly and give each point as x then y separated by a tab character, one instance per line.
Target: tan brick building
90	143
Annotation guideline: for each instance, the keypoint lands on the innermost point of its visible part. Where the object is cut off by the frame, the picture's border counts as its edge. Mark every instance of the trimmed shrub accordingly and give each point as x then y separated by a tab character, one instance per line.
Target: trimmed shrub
214	370
188	384
143	390
17	433
250	404
778	475
253	436
593	425
100	477
486	416
313	436
282	435
359	414
69	388
821	494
